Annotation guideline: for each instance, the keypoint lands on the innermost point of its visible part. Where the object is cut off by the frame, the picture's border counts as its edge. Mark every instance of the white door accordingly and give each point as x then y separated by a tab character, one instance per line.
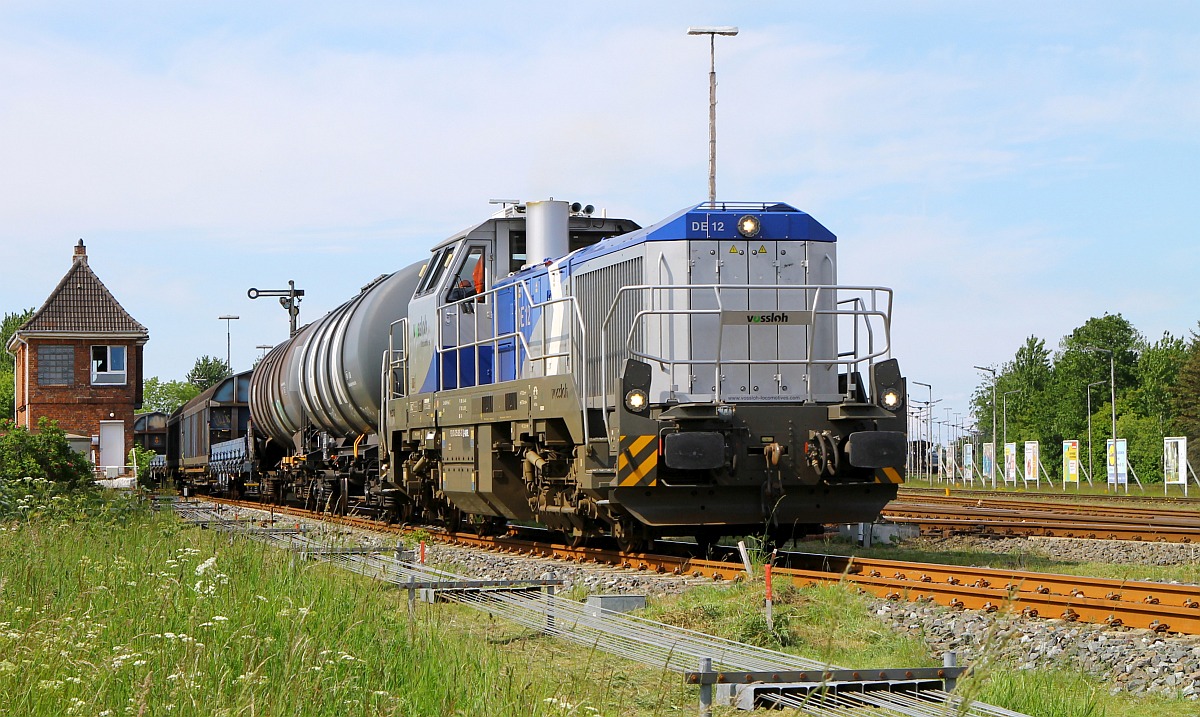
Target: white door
112	447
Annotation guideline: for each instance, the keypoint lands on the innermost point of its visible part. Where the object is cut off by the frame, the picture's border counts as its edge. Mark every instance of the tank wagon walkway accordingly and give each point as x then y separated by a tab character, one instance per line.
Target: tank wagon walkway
742	674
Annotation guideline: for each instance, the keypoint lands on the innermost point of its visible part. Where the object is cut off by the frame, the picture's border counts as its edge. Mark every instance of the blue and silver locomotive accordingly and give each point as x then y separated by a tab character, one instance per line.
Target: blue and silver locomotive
703	376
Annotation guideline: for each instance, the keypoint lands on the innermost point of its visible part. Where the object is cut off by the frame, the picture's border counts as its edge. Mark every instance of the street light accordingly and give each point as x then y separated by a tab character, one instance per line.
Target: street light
1089	406
264	348
228	320
712	33
930	419
1112	385
993	372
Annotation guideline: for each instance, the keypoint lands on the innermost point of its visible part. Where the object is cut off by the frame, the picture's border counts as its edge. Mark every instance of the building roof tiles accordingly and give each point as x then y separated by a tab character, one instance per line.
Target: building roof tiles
81	303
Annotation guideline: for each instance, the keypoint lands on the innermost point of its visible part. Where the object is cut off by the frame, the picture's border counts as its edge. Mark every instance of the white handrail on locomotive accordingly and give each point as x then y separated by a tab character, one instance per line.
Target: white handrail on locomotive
870	330
857	315
575	333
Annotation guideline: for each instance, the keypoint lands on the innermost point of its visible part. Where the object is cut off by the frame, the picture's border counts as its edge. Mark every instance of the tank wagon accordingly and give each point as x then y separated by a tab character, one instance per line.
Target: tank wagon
704	376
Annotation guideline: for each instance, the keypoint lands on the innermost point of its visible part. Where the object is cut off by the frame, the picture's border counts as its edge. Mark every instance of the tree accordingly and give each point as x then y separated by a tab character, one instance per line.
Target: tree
1185	400
1157	372
8	327
207	372
166	396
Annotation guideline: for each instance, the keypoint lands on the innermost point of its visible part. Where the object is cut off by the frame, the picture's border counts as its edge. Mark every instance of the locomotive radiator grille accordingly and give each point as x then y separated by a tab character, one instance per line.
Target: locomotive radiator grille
598	290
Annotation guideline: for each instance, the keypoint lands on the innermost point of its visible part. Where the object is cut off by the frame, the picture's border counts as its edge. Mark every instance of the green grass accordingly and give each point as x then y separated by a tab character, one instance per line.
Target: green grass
826	623
147	618
130	613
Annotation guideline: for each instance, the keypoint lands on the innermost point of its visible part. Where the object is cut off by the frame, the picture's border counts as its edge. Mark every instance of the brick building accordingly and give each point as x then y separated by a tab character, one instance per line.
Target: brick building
79	362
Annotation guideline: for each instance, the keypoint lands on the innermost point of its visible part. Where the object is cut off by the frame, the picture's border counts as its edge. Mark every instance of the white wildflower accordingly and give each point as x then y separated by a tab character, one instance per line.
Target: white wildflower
203	567
219	618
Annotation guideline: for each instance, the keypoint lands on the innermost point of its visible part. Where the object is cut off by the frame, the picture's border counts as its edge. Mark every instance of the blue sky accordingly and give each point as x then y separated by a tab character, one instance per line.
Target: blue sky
1011	169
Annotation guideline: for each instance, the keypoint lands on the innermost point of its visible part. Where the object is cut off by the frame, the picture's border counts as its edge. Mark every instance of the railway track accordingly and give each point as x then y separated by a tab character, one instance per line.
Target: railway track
957	514
1160	607
908	490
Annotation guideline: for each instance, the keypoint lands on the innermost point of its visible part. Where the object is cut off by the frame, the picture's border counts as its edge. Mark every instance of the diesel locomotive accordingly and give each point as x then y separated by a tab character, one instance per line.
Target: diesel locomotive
702	376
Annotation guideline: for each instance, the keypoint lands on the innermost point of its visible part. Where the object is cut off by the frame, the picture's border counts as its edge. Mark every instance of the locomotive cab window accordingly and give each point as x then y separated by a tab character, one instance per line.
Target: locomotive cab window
108	365
471	277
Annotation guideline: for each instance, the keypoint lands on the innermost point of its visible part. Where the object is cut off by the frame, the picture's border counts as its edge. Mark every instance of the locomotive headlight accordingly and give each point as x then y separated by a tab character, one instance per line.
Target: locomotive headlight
748	226
891	398
635	400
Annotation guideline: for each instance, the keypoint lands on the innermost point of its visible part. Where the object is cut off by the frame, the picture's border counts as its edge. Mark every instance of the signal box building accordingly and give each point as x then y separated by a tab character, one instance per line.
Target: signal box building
79	362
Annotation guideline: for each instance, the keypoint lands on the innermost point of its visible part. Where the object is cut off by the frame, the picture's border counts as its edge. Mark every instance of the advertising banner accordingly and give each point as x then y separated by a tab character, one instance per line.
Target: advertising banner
969	462
1071	462
951	463
1175	461
1118	462
989	462
1032	459
1010	463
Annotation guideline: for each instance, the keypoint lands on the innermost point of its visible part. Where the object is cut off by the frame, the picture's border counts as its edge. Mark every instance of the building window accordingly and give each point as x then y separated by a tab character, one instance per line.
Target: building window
108	365
56	365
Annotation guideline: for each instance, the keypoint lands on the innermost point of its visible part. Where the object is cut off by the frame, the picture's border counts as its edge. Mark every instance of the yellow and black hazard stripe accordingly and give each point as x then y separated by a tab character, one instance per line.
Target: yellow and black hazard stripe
888	475
637	461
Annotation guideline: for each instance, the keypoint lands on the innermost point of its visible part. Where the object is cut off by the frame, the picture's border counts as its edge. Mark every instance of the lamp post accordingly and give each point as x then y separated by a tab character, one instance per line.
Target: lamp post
993	372
929	429
1089	407
228	319
712	33
1112	384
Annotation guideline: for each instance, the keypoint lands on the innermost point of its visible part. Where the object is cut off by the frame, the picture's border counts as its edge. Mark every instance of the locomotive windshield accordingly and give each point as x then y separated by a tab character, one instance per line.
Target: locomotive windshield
441	260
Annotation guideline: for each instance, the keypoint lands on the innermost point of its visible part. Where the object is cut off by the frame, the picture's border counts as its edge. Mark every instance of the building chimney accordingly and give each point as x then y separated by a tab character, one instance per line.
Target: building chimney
80	252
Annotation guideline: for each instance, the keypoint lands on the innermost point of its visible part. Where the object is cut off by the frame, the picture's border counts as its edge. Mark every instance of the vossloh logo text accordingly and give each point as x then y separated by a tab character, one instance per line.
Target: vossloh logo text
786	318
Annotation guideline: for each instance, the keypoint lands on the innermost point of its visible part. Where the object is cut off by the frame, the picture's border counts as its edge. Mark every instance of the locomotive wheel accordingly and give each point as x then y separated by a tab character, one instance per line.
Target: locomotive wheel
488	525
630	538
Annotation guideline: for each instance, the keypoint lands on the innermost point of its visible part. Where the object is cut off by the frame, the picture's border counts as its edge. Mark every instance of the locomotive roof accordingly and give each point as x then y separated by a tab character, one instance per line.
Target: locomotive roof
779	221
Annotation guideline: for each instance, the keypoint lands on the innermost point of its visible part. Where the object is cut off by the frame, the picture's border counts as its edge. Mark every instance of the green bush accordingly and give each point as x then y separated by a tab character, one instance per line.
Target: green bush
42	454
141	458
